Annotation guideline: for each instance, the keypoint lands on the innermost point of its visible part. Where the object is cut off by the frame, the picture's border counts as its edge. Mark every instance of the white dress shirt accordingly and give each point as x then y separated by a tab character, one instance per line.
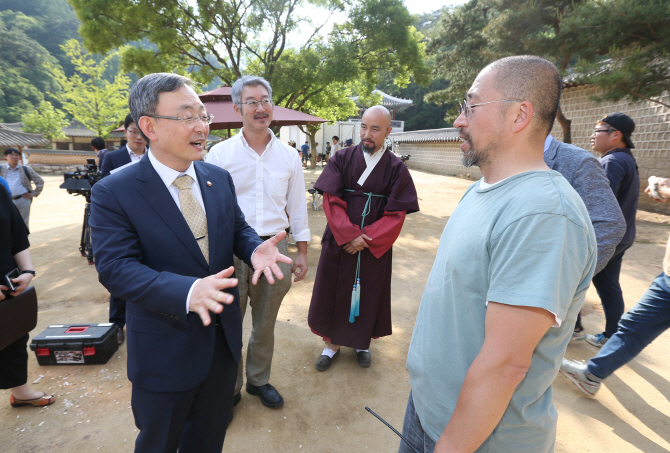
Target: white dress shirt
168	175
267	186
371	161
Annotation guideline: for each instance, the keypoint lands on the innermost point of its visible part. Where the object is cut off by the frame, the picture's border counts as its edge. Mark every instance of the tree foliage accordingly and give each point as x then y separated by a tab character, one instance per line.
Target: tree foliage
618	45
231	38
630	44
23	77
91	99
54	22
45	120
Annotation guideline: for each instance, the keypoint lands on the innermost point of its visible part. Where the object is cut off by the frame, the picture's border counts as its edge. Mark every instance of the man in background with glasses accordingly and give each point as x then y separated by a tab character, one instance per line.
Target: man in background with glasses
20	179
112	162
132	152
611	138
510	275
270	189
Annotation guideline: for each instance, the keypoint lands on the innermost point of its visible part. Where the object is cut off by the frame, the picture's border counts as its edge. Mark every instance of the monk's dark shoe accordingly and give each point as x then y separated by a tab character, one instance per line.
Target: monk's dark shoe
236	399
323	362
364	358
269	395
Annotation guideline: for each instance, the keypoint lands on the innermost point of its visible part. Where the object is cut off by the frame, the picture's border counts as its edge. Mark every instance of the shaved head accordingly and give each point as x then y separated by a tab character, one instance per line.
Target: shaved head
379	112
529	78
375	127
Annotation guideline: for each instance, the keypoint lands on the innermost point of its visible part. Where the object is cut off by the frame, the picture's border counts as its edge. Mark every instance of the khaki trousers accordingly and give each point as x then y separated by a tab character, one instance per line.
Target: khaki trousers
23	205
265	300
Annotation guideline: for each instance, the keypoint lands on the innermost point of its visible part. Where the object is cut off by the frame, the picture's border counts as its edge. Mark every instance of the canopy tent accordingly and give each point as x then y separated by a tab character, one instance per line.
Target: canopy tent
219	102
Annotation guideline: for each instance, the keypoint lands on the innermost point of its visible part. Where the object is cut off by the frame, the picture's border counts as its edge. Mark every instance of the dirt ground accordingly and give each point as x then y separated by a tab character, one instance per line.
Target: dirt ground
324	411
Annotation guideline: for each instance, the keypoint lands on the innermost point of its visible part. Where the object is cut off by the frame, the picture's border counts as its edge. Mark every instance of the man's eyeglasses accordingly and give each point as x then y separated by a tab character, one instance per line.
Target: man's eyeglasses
266	103
187	121
595	132
467	108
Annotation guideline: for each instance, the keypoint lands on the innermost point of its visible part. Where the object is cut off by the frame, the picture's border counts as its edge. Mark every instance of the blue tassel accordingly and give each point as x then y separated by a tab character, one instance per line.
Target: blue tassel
358	297
352	312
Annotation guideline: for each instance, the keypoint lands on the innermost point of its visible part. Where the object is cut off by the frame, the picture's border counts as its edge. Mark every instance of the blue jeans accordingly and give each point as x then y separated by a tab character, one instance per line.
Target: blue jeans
606	283
637	328
413	432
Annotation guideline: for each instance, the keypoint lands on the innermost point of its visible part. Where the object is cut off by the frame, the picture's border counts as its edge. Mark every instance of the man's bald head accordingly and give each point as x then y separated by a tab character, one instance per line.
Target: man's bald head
529	78
379	114
375	127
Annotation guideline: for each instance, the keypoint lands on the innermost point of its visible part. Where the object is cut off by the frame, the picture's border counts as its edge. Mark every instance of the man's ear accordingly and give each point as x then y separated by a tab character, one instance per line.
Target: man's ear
523	116
237	110
147	127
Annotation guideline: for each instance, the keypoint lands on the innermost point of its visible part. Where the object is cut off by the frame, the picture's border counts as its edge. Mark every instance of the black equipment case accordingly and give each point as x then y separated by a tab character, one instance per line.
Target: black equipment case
75	344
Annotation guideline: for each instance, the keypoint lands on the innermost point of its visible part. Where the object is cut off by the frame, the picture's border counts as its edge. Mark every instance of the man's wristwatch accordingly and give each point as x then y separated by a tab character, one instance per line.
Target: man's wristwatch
29	272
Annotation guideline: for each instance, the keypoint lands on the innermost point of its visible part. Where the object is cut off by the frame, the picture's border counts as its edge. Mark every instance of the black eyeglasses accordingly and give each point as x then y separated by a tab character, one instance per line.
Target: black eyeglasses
467	108
603	130
188	121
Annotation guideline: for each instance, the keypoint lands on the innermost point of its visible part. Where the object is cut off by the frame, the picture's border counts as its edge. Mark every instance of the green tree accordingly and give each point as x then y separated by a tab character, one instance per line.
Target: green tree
54	22
91	99
229	38
23	77
629	46
618	45
46	120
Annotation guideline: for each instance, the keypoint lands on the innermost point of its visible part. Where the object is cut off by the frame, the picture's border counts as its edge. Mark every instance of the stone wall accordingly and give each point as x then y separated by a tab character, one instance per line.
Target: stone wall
59	157
437	157
651	136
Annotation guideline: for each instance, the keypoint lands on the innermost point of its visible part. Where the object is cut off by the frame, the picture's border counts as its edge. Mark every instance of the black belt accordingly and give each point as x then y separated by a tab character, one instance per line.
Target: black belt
16	197
265	238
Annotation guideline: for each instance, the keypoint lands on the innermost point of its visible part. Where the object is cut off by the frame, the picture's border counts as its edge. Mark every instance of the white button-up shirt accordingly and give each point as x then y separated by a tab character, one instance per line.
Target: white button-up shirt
267	186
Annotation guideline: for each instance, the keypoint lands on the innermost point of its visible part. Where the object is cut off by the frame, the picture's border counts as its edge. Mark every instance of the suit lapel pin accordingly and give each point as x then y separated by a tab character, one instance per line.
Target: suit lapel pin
209	184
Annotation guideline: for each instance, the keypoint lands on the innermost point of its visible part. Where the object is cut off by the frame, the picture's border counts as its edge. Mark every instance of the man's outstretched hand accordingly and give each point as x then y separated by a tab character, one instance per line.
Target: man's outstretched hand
208	296
266	257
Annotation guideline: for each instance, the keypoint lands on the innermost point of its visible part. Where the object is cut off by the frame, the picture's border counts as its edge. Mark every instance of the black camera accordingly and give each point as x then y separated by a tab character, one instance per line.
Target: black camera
79	182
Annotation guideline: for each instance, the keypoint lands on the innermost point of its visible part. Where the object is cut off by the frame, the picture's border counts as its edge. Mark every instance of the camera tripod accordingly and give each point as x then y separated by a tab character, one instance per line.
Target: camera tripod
85	244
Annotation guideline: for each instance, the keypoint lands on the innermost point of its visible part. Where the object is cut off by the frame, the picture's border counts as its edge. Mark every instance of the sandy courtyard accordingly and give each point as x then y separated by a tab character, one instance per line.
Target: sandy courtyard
324	411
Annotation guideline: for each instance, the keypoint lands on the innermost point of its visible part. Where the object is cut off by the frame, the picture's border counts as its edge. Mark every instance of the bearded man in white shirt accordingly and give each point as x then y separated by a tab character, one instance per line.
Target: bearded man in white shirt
270	189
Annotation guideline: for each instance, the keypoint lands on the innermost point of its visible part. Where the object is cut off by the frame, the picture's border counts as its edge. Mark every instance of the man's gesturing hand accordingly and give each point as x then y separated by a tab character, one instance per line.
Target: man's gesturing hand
357	244
207	295
266	257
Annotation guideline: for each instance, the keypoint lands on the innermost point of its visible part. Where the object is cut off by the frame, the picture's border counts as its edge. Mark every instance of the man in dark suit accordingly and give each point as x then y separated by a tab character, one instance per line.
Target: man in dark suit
133	151
164	234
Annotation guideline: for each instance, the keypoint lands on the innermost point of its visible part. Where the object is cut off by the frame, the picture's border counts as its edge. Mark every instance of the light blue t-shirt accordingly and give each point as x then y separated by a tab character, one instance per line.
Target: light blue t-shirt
525	241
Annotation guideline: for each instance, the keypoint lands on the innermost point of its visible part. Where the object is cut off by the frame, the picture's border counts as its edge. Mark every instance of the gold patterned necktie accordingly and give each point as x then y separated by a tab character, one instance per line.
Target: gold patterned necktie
193	213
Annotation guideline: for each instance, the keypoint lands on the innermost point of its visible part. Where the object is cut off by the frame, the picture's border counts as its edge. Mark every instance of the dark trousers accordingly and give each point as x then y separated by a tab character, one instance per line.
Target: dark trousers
14	364
606	283
193	421
117	311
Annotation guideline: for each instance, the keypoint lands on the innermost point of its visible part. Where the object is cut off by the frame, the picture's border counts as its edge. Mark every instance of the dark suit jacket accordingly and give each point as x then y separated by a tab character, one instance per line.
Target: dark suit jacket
146	254
585	174
114	159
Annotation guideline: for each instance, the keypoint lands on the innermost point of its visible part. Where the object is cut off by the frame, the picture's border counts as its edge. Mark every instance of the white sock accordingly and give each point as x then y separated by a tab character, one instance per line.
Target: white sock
362	350
329	352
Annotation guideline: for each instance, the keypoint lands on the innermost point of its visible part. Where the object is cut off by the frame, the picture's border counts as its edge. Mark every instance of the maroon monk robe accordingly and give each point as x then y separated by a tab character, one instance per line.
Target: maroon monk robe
335	276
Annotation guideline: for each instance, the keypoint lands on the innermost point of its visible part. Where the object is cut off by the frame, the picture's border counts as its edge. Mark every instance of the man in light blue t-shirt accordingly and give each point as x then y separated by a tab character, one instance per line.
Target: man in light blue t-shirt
510	275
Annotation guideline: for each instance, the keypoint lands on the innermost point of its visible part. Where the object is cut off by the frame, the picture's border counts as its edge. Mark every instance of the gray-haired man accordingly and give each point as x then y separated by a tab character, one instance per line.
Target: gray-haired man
270	189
